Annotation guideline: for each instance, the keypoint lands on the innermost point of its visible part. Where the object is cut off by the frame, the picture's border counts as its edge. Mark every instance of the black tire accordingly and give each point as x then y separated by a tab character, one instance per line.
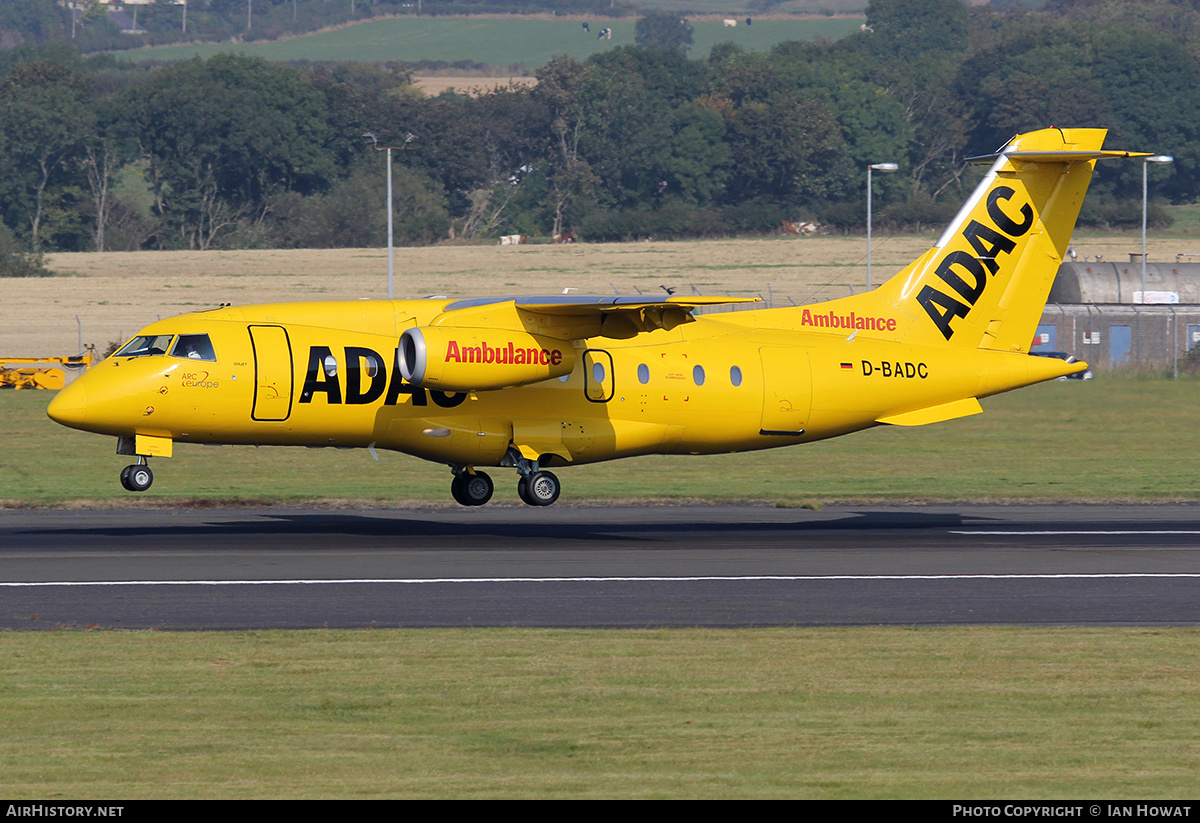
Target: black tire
472	489
125	478
541	489
138	479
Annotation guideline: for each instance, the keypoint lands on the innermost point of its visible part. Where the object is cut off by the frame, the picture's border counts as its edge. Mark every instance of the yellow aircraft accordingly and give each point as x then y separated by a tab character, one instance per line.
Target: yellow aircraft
533	383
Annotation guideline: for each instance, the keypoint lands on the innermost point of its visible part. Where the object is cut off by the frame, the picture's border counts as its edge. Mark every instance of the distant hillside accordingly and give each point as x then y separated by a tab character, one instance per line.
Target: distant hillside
497	41
163	22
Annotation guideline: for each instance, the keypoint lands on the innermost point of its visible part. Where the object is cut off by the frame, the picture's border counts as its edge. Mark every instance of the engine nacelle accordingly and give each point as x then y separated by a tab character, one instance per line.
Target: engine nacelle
454	359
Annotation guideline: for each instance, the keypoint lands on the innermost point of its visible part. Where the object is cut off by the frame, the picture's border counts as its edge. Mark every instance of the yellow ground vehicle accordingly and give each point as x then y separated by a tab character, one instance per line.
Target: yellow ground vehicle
43	372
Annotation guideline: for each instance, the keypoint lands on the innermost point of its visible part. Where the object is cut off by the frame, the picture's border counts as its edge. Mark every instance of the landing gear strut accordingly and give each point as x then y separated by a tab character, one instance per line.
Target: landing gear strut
471	489
138	477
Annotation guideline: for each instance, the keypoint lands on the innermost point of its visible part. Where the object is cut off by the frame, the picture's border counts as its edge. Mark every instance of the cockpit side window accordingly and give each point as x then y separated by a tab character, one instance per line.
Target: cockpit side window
146	344
194	347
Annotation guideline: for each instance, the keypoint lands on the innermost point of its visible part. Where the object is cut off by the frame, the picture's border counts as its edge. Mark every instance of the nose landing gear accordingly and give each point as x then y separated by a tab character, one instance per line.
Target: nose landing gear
138	477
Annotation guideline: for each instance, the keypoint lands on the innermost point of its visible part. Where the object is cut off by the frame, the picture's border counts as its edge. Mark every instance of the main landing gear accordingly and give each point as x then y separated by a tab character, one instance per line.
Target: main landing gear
539	489
471	489
138	477
535	486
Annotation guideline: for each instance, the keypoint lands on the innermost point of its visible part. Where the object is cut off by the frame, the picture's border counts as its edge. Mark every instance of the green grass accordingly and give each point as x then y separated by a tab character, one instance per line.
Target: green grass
1186	225
501	42
976	713
815	713
1108	440
741	8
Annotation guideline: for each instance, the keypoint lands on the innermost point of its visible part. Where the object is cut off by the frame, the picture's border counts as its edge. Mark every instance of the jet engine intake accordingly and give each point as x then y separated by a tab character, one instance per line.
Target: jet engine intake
454	359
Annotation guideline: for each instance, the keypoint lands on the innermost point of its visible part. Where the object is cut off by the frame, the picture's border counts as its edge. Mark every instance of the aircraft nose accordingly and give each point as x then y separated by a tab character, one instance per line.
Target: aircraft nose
69	406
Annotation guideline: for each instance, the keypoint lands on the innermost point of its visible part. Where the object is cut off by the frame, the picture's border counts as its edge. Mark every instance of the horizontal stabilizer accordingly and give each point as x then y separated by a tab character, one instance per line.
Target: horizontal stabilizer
934	414
1064	156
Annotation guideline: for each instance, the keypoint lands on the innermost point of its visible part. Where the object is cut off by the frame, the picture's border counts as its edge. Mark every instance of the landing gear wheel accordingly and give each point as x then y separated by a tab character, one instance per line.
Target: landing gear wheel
137	478
539	489
472	489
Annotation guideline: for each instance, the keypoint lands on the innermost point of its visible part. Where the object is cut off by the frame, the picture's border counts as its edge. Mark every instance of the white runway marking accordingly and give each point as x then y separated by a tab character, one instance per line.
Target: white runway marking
1080	531
715	578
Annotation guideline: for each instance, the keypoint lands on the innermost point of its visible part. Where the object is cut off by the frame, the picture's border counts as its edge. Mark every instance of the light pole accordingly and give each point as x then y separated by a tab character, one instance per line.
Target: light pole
407	139
886	168
1159	159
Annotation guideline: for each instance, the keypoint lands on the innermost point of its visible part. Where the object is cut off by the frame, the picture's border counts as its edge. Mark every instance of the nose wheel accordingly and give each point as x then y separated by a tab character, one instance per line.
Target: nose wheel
137	478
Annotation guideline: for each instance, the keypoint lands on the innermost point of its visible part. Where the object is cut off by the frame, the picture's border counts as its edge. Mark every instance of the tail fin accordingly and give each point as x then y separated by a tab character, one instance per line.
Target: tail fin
985	283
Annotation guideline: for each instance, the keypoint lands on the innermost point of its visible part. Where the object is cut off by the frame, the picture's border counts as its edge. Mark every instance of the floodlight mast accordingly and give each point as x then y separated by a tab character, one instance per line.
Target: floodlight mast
408	138
887	168
1161	160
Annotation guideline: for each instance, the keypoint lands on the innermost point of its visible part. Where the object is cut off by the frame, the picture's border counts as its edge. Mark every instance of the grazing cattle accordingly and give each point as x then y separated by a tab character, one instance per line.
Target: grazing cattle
605	34
564	237
730	22
587	28
514	239
805	227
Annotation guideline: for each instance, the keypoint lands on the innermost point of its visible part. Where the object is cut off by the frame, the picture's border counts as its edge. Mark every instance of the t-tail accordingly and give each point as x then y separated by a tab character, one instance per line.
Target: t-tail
984	284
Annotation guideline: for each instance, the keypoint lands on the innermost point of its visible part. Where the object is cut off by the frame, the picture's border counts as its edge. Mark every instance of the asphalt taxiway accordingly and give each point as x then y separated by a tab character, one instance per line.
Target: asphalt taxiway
241	568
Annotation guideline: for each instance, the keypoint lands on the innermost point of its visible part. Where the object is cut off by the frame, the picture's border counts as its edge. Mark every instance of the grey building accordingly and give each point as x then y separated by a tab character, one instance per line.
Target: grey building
1098	313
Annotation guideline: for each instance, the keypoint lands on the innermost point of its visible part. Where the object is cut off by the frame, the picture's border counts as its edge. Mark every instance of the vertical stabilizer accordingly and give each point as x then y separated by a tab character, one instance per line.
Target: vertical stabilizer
985	283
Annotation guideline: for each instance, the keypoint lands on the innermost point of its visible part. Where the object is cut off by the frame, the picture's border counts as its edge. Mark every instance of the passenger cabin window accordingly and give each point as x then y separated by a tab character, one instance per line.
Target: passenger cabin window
194	347
145	345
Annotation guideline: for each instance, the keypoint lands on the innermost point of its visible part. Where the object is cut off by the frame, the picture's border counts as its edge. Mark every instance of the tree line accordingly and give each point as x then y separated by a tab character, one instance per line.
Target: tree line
640	141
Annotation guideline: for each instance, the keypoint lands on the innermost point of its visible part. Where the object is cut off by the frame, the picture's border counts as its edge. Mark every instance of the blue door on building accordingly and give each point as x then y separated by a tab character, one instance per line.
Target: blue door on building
1120	342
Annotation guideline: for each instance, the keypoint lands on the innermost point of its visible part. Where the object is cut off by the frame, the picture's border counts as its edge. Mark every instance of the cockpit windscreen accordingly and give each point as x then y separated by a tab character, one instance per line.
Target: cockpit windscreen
144	345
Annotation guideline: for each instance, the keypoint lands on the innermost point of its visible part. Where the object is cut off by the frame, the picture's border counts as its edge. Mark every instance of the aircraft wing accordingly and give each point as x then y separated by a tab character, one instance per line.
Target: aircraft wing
574	317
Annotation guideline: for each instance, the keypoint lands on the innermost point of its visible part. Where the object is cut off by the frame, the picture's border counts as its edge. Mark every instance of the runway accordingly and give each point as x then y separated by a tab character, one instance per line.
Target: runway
565	566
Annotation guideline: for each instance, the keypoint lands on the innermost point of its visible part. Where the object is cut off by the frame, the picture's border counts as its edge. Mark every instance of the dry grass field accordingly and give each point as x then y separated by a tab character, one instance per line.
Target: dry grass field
115	294
433	85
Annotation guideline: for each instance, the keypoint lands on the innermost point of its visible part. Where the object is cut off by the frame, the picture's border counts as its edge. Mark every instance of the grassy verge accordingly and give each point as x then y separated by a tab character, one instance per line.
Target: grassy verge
835	713
1064	440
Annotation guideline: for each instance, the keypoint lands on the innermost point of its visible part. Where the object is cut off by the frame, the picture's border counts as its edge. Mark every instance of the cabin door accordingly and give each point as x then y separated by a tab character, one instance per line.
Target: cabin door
598	375
272	373
787	391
